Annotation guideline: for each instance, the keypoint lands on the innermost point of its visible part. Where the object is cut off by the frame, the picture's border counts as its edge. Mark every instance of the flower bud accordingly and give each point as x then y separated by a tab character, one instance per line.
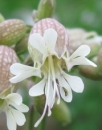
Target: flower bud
40	28
1	18
11	31
61	113
7	58
90	72
22	44
45	9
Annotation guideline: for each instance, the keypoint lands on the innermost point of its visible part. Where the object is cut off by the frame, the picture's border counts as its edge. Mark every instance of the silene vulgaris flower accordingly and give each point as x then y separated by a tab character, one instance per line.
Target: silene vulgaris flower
12	105
48	47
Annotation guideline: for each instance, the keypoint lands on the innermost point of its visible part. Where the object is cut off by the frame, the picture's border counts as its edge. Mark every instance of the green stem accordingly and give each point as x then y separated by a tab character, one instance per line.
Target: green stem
31	118
42	124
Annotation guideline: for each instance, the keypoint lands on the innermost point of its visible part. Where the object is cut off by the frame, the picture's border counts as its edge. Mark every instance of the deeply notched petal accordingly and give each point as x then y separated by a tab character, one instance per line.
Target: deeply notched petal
80	61
18	68
75	82
45	24
22	107
23	72
78	57
19	117
22	76
65	89
13	107
50	37
83	50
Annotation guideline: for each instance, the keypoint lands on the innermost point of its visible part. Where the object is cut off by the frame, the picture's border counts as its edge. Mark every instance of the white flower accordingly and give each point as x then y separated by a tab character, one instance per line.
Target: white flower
55	81
13	107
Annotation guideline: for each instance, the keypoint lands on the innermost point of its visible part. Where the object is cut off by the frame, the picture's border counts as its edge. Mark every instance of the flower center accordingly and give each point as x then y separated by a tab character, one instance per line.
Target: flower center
50	69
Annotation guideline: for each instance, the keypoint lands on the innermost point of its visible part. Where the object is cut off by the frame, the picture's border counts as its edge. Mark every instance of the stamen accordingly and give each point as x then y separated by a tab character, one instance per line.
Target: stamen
46	104
53	97
56	91
49	111
44	112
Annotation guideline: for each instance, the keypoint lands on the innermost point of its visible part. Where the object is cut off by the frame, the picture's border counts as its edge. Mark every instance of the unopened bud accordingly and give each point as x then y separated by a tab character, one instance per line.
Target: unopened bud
61	113
7	58
45	9
11	31
90	72
1	18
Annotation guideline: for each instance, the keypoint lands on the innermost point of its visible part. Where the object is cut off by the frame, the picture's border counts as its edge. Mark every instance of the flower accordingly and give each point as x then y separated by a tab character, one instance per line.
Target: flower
13	107
10	103
51	56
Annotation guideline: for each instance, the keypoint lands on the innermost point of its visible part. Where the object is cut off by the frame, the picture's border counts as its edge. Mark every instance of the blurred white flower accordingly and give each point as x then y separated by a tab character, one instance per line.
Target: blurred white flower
79	36
55	81
13	107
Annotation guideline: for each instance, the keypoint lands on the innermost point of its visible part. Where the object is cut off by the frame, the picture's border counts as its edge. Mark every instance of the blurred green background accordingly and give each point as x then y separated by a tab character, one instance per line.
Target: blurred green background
71	13
86	108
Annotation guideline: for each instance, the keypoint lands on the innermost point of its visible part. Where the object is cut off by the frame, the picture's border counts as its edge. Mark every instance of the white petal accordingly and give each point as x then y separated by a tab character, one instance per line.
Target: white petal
75	83
22	107
38	89
64	85
83	50
11	123
50	37
14	98
24	75
19	117
80	61
37	41
18	68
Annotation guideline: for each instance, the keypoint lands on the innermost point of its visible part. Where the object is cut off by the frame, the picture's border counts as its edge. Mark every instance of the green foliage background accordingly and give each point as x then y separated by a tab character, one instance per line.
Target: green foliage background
86	108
